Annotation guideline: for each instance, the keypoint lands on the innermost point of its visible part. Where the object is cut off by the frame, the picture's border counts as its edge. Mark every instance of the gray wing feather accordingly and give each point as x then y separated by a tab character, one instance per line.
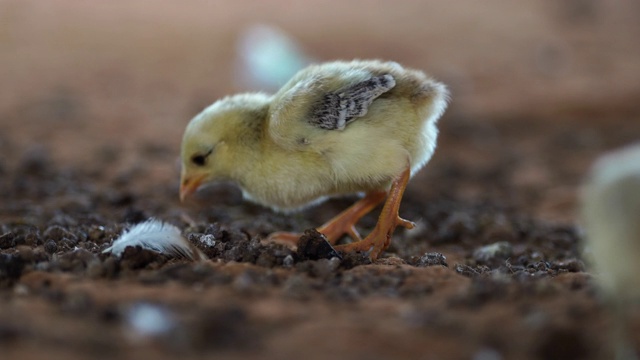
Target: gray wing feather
337	109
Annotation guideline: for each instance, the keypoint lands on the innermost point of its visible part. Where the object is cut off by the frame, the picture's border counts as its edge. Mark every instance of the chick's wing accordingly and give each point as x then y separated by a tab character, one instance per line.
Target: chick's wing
337	109
311	105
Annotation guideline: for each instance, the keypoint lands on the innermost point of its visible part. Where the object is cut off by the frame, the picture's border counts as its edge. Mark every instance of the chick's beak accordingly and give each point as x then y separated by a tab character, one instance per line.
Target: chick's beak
189	185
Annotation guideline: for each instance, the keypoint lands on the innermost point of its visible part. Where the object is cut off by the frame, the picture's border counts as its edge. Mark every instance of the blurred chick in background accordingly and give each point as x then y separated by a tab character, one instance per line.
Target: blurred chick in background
611	216
267	57
334	129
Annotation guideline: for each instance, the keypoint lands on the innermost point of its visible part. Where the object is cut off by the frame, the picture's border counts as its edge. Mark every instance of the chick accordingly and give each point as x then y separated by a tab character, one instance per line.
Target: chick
334	129
610	212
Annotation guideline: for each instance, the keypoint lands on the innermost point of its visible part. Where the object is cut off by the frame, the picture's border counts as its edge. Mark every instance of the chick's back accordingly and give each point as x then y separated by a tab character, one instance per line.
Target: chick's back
398	128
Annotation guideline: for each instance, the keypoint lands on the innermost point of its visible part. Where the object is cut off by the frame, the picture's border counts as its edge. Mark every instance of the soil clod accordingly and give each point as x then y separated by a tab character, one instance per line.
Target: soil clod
314	246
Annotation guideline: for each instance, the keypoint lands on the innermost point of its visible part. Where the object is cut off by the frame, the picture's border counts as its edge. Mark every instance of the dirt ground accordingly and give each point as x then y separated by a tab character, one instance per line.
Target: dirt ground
94	97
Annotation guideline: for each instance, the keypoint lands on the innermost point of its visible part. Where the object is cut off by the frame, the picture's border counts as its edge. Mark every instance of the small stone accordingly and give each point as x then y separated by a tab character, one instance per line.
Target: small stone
469	271
288	261
7	240
570	265
431	259
208	240
500	250
96	233
50	247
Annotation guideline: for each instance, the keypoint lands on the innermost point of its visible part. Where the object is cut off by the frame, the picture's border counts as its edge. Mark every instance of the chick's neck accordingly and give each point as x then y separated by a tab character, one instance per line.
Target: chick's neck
247	152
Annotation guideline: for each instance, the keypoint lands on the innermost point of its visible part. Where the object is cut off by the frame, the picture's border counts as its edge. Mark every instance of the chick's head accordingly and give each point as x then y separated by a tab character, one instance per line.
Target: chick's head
219	140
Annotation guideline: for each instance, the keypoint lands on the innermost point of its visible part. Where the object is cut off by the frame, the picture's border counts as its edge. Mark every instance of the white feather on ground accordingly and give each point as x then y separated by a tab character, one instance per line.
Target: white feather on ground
157	236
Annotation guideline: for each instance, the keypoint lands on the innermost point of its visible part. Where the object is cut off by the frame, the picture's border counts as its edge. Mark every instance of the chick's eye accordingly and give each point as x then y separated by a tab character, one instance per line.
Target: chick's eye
199	159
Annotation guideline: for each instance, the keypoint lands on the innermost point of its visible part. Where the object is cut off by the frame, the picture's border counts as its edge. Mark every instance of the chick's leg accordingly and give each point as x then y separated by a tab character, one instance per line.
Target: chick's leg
343	223
380	238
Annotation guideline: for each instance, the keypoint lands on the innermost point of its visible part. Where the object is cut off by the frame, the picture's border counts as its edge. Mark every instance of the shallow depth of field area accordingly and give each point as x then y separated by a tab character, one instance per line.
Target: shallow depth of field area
95	96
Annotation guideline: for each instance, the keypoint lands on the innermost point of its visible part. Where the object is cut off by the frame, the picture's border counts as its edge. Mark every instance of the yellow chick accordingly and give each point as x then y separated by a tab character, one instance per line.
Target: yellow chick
335	128
611	216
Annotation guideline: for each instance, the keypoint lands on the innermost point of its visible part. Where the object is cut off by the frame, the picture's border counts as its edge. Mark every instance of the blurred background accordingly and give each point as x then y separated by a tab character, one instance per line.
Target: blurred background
539	87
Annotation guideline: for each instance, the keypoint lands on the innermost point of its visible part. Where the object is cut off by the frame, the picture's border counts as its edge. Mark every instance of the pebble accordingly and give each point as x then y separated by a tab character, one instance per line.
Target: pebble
50	247
431	259
208	240
500	250
7	240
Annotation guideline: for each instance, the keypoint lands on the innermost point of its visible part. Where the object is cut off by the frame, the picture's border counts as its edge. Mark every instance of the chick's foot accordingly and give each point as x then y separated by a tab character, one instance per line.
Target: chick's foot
284	237
343	223
380	238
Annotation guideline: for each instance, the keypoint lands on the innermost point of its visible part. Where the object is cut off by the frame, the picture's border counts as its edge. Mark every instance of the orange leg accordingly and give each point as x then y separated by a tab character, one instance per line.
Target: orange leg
380	238
343	223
